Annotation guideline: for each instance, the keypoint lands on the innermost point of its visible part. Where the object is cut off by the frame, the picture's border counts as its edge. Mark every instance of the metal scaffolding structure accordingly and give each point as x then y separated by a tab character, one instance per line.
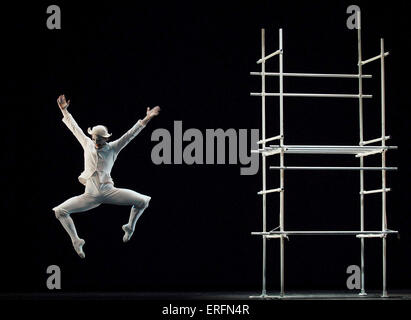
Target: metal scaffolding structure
364	149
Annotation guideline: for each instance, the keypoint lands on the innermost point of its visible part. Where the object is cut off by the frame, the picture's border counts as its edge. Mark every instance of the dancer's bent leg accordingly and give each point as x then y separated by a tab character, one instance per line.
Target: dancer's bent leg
138	201
79	203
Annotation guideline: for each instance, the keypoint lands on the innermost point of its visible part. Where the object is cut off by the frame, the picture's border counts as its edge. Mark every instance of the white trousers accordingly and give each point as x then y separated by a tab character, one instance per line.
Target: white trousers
96	194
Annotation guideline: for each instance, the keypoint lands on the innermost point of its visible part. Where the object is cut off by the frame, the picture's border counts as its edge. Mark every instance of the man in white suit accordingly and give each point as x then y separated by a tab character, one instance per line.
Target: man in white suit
99	158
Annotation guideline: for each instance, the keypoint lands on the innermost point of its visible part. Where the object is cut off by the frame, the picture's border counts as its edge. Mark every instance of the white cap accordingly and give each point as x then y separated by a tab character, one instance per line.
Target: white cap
99	131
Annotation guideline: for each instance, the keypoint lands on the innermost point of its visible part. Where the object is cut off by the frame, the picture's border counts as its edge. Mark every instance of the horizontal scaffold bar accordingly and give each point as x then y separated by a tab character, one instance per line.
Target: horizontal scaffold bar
375	140
276	236
269	56
380	235
268	151
375	191
374	58
270	191
325	149
257	151
334	168
269	139
369	153
272	152
312	75
310	95
320	233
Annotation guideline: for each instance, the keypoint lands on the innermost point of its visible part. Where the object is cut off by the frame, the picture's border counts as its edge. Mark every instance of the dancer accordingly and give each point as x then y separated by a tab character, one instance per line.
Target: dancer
99	158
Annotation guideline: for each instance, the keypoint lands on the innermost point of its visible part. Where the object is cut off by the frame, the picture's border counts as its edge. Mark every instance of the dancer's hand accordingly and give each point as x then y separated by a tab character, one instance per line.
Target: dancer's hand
62	103
153	112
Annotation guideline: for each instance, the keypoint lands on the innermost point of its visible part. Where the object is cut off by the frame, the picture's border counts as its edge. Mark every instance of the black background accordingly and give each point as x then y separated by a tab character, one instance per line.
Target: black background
113	59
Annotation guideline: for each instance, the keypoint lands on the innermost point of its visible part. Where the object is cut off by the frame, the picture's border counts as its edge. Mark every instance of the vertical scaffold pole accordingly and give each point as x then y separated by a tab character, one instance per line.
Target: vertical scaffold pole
264	290
360	103
281	161
383	175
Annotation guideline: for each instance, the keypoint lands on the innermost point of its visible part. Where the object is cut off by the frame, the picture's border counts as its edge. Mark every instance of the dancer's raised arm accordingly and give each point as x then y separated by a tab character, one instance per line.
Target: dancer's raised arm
69	120
135	130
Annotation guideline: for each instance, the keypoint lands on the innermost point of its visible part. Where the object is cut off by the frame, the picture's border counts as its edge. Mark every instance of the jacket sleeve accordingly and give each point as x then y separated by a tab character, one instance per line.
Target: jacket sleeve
74	128
125	139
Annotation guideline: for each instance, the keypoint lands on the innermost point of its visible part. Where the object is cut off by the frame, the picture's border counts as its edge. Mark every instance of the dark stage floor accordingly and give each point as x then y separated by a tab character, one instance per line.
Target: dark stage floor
300	295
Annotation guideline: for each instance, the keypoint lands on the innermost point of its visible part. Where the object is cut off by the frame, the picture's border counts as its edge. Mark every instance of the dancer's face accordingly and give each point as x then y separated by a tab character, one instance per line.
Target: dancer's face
99	141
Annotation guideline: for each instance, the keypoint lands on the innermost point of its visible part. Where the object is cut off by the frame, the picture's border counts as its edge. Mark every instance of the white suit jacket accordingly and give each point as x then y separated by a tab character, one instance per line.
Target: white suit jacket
99	160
